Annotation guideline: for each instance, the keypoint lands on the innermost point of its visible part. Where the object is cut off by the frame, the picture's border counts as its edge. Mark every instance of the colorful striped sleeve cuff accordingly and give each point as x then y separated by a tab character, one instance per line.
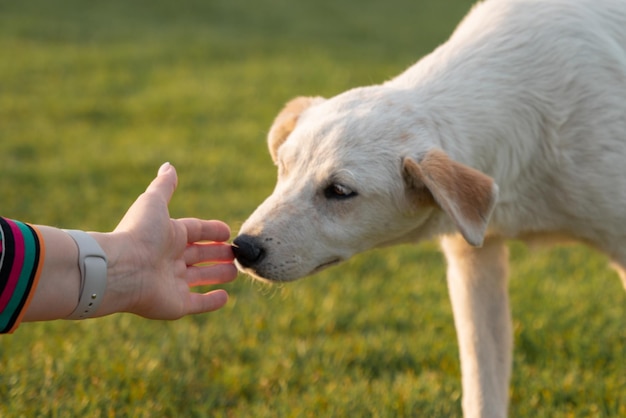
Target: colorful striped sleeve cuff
21	261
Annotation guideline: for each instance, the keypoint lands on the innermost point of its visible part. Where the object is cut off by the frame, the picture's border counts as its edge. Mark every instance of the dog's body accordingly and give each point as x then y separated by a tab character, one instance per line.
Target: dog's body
514	128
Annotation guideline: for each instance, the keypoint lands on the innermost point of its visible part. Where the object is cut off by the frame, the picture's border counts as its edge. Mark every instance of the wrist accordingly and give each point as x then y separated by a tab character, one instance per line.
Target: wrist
92	264
119	293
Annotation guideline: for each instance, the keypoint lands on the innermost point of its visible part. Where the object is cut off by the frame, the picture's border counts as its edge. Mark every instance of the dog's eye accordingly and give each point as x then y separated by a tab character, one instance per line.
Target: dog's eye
338	191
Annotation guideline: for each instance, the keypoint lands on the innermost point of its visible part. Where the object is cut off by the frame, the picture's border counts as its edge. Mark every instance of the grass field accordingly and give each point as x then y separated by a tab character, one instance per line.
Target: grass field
94	96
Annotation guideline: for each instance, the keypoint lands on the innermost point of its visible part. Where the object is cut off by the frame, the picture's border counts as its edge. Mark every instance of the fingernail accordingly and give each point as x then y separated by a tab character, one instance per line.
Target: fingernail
164	168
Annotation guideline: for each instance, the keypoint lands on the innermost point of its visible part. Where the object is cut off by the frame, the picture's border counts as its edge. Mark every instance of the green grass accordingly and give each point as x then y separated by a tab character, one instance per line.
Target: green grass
94	96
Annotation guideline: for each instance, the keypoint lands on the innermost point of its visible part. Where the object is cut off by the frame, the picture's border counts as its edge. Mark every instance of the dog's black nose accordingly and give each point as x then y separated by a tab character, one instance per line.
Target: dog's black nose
248	250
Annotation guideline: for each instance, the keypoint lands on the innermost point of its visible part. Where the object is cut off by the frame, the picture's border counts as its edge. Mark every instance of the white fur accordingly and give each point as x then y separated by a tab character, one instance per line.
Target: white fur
531	93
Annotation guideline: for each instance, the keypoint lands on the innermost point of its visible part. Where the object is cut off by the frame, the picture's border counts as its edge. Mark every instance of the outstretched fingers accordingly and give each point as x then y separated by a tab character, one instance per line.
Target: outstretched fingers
211	274
204	252
207	302
201	230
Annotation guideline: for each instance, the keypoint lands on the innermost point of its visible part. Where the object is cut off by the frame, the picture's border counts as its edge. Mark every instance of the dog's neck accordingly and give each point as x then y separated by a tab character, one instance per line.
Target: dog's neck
482	108
475	123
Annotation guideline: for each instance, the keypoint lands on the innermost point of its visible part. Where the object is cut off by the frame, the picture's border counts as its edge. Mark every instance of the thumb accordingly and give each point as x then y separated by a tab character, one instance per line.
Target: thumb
165	167
165	183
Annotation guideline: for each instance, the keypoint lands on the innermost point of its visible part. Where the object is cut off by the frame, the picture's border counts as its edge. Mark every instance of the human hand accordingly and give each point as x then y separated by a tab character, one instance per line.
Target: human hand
153	259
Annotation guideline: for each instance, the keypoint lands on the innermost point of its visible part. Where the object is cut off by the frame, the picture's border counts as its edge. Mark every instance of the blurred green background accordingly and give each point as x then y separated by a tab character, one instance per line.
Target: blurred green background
94	96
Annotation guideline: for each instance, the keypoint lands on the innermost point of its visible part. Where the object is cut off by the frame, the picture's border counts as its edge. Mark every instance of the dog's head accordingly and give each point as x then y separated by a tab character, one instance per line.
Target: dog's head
356	172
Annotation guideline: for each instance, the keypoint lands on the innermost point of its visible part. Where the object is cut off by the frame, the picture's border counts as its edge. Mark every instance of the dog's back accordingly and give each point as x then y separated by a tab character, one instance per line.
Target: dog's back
533	92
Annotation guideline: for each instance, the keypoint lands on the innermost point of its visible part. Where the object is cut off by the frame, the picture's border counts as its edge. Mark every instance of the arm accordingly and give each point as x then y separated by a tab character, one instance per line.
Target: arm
151	262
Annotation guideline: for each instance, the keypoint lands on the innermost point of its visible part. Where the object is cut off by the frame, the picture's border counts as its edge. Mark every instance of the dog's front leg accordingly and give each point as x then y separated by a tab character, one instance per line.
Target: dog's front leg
477	281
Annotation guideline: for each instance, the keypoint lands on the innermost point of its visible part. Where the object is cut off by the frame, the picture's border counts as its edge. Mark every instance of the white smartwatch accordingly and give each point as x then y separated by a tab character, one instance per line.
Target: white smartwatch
92	263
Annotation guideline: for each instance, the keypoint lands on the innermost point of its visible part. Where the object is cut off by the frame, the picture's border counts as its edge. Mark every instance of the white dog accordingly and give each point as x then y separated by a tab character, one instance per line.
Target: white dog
514	128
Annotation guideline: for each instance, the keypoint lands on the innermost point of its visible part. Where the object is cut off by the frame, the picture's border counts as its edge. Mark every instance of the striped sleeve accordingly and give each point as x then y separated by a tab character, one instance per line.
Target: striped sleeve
21	261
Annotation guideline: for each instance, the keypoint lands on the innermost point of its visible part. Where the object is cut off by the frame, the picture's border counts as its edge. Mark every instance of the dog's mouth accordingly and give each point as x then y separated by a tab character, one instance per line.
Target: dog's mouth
326	264
261	274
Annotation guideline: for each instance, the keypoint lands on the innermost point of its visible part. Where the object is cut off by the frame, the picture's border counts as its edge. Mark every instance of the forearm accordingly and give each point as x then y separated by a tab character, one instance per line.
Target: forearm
57	294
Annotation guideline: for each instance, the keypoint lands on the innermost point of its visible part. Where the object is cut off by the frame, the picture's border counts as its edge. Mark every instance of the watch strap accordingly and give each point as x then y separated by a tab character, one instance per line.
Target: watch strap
92	263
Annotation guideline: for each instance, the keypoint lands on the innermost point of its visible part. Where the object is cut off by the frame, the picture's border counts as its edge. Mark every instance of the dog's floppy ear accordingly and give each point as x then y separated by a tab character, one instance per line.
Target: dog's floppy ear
465	194
286	121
